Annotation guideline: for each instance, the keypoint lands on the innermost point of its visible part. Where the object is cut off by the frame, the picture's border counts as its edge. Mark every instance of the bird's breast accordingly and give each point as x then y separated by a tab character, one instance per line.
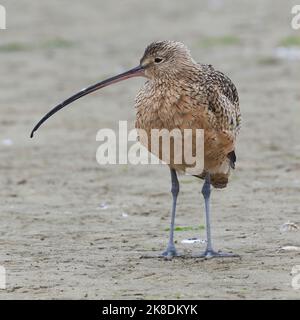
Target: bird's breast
166	108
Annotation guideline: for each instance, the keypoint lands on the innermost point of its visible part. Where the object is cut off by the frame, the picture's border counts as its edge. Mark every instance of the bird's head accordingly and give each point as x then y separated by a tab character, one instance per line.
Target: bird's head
163	59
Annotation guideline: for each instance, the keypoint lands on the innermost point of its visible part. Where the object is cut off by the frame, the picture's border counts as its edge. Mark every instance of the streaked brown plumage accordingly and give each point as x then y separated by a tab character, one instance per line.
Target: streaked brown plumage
182	94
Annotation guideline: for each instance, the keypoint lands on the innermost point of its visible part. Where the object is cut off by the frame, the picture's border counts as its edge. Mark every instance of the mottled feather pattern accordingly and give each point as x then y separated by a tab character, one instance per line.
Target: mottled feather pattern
194	96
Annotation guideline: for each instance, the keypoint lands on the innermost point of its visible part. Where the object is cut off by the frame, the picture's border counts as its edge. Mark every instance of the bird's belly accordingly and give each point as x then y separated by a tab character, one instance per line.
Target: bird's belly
184	139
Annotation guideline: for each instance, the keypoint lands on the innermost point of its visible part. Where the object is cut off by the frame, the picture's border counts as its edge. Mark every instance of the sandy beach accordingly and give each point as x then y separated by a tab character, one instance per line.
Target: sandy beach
71	228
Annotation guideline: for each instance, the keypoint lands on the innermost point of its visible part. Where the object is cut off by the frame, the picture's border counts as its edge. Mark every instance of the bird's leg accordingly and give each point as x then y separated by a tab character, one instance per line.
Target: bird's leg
171	250
209	252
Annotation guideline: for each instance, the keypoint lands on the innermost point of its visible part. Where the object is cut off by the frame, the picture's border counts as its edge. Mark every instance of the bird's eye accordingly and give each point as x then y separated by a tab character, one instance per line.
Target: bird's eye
158	60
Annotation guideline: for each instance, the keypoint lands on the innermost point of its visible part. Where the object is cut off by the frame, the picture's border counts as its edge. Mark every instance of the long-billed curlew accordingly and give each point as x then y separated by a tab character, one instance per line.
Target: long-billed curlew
181	93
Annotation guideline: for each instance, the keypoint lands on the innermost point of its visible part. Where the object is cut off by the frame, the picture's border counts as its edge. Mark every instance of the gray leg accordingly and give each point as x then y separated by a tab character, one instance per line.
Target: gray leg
171	251
209	252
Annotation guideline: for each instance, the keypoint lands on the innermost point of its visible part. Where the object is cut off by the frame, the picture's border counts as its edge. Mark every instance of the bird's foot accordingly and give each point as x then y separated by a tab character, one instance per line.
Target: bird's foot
209	253
170	252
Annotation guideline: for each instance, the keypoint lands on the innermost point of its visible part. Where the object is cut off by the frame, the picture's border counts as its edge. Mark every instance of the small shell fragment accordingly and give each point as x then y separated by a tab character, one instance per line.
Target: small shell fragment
289	248
193	240
289	226
103	206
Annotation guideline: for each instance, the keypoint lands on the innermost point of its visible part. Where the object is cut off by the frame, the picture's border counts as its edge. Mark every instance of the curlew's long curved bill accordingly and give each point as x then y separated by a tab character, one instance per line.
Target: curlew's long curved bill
135	72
